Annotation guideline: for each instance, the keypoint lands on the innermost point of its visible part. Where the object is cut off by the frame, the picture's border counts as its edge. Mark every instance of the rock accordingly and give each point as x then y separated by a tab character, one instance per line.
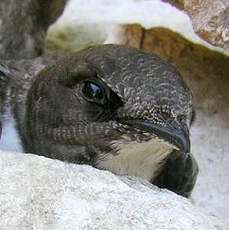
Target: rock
88	24
41	193
210	19
178	3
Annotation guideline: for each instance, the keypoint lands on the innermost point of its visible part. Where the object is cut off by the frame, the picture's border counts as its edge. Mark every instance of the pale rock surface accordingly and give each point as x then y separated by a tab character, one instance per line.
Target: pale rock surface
45	194
210	19
89	22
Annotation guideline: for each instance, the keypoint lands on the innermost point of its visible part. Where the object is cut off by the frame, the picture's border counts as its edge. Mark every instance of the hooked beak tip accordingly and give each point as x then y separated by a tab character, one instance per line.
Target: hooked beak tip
178	138
183	141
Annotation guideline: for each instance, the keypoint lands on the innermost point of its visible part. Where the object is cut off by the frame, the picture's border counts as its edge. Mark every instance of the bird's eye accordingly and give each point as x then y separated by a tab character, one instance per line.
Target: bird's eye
92	92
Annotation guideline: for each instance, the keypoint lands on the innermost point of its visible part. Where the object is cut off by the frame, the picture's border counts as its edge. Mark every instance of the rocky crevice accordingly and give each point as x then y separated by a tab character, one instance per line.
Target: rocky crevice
210	19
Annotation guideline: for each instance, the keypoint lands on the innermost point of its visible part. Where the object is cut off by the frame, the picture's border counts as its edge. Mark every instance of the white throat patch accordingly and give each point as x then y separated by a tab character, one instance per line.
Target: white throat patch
137	159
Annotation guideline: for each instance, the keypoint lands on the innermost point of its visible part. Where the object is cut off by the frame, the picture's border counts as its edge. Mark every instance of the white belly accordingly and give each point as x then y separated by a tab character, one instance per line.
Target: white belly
138	159
10	140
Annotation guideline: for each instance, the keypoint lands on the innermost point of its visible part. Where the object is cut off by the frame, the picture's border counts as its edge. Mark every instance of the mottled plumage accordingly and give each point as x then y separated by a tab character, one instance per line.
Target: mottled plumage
113	107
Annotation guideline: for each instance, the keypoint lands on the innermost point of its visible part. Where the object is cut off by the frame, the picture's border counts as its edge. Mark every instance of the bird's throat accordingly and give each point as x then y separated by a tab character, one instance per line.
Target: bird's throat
137	159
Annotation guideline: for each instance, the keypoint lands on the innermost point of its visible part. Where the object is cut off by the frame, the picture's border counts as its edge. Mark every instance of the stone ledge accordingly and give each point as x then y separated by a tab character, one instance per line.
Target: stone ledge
41	193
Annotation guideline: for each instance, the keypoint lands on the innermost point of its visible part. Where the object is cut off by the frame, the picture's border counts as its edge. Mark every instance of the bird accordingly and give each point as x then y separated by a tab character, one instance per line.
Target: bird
113	107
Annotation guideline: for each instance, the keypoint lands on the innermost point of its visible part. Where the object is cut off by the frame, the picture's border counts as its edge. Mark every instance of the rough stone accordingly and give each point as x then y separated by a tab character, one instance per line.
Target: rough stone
41	193
210	19
178	3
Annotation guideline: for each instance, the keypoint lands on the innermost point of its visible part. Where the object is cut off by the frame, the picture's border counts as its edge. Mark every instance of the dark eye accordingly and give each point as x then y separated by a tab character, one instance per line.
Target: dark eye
93	92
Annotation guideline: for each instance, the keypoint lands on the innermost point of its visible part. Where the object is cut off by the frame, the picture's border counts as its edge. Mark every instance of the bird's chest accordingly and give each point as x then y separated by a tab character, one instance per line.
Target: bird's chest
138	159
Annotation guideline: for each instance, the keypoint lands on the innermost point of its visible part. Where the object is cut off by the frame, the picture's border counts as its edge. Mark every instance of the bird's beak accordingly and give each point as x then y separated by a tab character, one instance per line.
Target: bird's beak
178	138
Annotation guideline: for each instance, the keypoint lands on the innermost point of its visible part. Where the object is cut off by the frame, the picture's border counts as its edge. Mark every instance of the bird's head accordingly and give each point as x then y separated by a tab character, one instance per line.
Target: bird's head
90	103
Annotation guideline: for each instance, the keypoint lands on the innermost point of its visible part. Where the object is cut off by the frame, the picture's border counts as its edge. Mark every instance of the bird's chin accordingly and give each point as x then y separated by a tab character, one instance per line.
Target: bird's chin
140	140
142	157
